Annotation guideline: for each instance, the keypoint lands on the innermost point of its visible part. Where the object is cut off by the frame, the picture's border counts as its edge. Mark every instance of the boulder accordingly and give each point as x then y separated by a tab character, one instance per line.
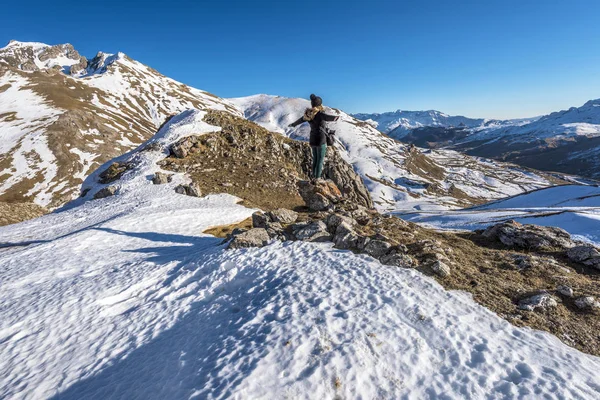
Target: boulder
255	237
106	192
184	146
283	215
334	220
189	190
398	260
542	301
319	196
440	268
160	178
313	232
531	237
114	172
259	220
275	231
587	303
377	248
361	215
345	238
586	255
565	290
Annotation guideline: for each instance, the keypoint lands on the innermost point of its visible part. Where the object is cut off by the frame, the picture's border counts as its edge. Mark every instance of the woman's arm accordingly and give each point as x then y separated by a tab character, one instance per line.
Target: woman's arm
298	122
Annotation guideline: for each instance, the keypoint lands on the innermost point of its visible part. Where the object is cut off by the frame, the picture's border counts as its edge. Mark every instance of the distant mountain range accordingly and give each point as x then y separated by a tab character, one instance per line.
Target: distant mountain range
569	140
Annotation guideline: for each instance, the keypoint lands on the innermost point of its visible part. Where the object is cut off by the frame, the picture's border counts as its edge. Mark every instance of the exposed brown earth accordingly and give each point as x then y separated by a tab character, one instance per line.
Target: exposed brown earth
12	213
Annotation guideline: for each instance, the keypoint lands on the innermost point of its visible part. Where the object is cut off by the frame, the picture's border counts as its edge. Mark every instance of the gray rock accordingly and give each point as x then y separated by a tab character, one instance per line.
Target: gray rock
586	303
275	231
377	248
106	192
255	237
440	268
334	220
345	238
189	190
533	237
160	178
193	190
361	215
565	290
398	260
541	300
259	220
283	215
313	232
586	255
362	242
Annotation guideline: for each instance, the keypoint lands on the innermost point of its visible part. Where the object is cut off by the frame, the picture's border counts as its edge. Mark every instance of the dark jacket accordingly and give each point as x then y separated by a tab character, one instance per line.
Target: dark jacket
317	137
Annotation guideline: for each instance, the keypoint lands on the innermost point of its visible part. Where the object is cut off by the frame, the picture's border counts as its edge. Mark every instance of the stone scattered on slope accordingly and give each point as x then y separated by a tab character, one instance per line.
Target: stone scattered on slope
160	178
189	190
586	255
440	268
313	232
255	237
106	192
565	290
531	237
542	301
114	172
587	303
283	216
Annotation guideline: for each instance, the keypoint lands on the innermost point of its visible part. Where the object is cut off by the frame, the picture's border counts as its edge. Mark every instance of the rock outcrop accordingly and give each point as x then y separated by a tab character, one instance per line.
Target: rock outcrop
320	195
531	237
586	255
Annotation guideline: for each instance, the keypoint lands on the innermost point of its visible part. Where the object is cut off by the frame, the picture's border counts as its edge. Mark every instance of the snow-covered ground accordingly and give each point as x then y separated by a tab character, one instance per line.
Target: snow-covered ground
124	297
575	208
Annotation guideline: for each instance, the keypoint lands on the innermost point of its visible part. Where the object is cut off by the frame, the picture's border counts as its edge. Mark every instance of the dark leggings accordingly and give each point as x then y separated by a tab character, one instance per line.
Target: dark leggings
318	157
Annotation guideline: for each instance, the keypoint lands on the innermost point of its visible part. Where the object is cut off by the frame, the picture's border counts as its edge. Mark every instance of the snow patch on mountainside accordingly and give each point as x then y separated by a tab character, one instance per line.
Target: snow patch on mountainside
22	111
574	208
125	297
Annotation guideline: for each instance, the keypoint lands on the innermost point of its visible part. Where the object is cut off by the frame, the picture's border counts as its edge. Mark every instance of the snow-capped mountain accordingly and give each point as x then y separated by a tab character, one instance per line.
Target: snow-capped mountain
62	115
569	140
566	141
125	297
399	176
400	123
402	120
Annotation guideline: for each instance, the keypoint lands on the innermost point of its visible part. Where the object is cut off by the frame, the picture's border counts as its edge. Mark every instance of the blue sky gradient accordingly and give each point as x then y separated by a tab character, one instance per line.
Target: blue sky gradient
488	58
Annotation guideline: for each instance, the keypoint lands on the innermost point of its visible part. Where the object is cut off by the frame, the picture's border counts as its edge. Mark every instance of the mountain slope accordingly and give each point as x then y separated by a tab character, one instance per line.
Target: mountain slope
402	177
62	115
124	297
567	141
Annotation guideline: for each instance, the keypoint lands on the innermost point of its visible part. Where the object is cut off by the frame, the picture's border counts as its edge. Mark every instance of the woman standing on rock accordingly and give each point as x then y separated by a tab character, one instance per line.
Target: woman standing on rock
316	117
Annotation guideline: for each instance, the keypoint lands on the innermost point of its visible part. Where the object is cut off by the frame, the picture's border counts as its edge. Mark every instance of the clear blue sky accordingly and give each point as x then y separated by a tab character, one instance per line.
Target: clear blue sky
485	58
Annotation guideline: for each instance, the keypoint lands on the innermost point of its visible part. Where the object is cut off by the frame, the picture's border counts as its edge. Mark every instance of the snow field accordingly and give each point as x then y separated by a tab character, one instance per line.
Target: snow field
124	298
